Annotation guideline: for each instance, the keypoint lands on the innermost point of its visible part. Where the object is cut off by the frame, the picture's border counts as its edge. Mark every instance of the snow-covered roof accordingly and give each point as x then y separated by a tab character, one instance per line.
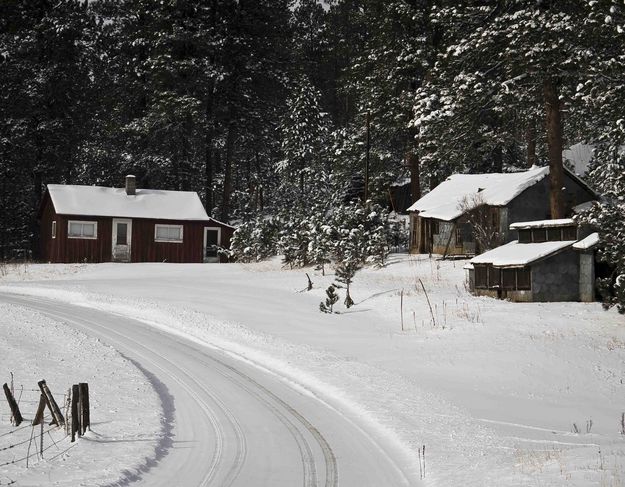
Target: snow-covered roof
514	254
114	202
562	222
586	205
587	243
497	189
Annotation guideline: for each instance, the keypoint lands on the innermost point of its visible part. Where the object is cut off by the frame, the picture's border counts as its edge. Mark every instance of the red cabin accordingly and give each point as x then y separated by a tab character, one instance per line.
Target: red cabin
97	224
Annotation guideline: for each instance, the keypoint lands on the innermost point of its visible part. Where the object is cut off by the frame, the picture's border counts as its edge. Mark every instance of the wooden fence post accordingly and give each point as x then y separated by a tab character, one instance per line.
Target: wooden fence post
85	419
16	416
40	410
75	413
52	405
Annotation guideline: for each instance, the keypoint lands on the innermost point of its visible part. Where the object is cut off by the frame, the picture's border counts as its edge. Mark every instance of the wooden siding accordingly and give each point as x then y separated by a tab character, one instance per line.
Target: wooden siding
146	249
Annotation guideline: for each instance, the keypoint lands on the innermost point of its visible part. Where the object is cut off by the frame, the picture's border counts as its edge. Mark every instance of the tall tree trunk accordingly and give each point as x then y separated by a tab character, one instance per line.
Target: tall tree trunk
208	149
224	212
34	224
554	143
530	140
415	176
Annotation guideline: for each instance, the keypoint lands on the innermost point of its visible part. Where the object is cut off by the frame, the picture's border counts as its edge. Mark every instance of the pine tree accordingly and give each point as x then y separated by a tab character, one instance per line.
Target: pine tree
501	64
331	299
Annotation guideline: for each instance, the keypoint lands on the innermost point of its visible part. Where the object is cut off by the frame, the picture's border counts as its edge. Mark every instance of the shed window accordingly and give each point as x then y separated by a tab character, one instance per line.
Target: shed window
168	233
523	279
54	229
80	229
539	235
554	234
480	276
494	277
569	233
508	278
525	236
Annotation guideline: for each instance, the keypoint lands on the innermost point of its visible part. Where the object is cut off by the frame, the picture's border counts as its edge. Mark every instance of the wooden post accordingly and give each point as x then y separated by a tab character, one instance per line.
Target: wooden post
16	416
41	441
68	406
75	425
401	308
85	420
52	405
40	410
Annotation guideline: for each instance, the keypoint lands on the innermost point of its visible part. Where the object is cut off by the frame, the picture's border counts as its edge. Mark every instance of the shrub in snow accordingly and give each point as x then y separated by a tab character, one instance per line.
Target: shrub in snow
254	240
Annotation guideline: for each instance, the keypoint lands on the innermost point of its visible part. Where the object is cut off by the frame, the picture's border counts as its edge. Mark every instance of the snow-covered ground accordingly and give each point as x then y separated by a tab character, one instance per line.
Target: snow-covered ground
500	393
124	407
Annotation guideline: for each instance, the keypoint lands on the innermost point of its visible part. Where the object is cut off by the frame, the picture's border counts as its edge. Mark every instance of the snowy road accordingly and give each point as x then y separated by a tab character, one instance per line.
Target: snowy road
227	422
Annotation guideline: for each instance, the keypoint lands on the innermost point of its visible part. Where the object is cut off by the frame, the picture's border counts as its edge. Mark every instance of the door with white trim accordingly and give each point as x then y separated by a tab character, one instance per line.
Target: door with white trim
122	238
212	242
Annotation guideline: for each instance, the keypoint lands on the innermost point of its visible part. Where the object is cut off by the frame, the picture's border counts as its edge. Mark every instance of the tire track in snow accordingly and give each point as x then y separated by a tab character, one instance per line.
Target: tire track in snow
271	401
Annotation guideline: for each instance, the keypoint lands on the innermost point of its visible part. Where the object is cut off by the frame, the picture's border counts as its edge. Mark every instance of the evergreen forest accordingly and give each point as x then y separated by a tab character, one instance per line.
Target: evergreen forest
295	119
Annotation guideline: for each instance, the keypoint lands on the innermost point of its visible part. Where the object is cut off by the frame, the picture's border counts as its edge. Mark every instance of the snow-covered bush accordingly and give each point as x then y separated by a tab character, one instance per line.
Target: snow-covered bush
254	240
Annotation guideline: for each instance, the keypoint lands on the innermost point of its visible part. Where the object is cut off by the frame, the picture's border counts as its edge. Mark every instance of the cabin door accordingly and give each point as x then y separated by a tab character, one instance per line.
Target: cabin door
212	241
122	233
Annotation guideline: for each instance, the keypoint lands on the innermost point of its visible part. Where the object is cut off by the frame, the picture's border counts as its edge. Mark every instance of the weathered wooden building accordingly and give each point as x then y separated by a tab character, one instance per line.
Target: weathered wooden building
440	222
550	261
98	224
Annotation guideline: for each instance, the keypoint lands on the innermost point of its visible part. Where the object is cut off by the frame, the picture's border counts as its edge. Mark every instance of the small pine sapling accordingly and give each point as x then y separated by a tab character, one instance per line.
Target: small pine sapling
345	273
331	298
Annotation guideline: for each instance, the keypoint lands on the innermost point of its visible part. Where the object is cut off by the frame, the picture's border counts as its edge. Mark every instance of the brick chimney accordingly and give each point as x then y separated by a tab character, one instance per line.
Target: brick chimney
131	185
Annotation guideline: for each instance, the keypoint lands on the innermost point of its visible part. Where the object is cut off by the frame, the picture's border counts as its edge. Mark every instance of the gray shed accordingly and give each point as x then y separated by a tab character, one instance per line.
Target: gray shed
547	263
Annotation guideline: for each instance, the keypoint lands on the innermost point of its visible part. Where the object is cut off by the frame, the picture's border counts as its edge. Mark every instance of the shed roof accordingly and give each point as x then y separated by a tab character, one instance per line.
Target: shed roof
114	202
514	254
587	243
562	222
496	189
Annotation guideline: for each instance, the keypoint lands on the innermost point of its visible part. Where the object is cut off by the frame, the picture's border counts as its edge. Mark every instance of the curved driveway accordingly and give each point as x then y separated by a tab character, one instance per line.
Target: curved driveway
228	423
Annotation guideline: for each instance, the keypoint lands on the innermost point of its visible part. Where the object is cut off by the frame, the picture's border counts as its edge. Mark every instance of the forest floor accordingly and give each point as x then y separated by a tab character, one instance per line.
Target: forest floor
500	393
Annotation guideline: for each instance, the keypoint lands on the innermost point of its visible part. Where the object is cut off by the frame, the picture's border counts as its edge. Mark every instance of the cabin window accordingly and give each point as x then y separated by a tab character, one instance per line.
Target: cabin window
80	229
494	277
523	279
539	235
54	229
494	217
480	276
435	229
569	233
459	240
525	236
508	278
168	233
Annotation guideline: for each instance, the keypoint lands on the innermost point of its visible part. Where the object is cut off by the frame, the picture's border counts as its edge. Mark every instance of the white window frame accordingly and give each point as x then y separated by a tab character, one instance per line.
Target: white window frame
53	228
83	222
157	226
